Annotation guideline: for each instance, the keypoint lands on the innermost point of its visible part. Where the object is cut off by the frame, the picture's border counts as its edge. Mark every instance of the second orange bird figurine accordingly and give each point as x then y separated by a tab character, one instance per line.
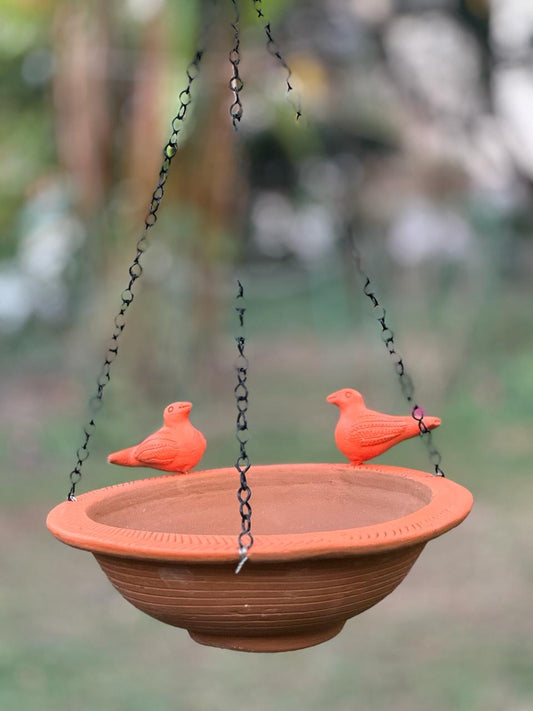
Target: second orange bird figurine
362	434
176	447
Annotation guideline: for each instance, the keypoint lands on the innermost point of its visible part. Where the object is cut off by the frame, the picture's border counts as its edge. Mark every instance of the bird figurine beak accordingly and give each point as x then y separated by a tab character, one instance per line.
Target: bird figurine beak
332	399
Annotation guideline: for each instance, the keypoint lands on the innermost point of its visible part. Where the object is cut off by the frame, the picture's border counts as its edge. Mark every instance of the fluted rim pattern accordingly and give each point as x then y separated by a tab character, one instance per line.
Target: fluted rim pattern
76	524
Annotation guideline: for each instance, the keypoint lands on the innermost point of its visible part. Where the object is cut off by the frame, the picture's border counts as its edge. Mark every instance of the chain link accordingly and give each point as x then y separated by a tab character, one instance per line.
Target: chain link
135	271
235	83
274	50
243	461
406	382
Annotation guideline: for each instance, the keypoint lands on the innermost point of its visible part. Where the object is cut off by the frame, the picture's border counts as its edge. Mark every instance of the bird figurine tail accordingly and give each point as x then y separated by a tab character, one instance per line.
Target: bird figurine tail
125	457
432	422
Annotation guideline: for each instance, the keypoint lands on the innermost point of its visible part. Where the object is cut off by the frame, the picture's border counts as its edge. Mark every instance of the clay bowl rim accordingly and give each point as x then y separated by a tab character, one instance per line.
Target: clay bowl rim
449	504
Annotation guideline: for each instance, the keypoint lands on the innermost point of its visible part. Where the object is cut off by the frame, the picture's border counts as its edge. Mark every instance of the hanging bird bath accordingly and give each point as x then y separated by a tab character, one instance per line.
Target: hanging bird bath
328	540
331	540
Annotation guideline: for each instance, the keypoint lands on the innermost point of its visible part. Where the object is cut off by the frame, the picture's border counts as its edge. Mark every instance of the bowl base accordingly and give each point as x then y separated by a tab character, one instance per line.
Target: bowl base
270	643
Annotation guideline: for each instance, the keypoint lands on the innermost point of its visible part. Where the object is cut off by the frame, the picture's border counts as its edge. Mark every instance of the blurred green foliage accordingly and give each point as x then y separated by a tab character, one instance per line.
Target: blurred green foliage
457	634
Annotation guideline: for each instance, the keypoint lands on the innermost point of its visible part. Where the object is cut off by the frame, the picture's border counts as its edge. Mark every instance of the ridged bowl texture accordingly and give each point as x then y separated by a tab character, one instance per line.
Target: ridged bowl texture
330	540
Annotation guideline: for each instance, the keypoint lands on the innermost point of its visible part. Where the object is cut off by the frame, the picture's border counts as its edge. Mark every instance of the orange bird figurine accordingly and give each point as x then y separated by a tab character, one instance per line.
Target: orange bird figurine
176	447
362	434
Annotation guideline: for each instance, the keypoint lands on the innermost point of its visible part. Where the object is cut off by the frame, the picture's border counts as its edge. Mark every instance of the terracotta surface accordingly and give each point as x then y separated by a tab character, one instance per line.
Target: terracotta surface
362	434
268	607
331	540
176	447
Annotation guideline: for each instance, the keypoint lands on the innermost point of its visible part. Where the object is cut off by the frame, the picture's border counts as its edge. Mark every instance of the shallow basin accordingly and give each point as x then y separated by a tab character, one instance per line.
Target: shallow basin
331	540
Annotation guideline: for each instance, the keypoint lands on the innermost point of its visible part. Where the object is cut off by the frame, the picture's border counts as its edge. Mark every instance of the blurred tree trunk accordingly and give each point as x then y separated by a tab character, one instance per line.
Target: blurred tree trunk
109	136
213	184
141	162
81	100
205	185
83	119
142	154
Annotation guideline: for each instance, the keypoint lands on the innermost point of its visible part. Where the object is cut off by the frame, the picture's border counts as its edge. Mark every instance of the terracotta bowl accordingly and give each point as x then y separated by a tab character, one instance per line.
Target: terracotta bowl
331	540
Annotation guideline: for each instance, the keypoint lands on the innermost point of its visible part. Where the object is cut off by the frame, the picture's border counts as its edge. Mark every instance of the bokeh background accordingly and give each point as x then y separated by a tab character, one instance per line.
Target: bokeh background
416	135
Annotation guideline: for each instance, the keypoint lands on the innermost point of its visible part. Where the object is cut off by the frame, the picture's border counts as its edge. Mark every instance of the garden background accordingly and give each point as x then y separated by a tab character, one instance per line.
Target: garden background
416	134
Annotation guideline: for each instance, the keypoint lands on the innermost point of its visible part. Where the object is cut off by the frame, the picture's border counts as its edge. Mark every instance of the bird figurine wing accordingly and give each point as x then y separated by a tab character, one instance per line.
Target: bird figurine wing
376	429
159	449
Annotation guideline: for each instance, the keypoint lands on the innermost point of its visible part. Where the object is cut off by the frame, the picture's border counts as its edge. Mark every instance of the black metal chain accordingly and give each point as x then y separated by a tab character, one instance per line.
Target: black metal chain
242	464
135	271
235	83
274	50
406	382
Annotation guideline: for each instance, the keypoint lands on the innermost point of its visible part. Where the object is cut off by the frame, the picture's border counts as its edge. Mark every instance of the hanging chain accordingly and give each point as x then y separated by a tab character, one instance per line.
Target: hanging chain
243	462
235	83
135	271
274	50
406	382
244	493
